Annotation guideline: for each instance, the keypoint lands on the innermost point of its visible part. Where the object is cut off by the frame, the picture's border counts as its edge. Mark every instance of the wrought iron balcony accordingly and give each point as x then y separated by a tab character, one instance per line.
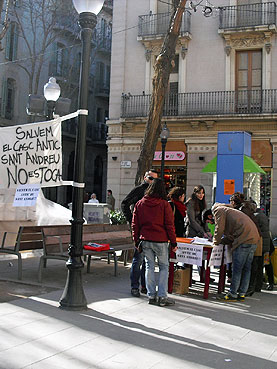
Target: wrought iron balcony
250	15
205	103
151	25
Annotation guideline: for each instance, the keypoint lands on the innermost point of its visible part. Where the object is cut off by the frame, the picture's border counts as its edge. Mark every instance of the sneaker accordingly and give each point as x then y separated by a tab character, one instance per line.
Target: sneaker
241	298
143	290
152	301
165	301
228	297
135	292
270	287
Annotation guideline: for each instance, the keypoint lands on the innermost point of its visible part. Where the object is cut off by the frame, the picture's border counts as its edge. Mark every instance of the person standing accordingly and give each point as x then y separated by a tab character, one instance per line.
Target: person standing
237	201
196	204
177	198
110	200
152	227
242	232
137	274
256	281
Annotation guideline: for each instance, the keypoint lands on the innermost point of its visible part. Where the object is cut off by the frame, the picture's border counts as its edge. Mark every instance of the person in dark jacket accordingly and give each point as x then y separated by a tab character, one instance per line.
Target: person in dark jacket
137	274
153	227
177	198
196	204
263	223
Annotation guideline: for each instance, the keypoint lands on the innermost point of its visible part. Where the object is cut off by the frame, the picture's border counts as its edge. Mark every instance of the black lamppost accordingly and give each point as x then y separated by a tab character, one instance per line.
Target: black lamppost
164	136
73	297
52	92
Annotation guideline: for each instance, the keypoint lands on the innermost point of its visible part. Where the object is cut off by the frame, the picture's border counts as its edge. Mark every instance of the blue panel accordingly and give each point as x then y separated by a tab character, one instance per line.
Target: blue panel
234	143
228	167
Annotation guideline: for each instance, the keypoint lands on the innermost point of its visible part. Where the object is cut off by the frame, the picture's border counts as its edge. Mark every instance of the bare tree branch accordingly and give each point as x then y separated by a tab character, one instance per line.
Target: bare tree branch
162	68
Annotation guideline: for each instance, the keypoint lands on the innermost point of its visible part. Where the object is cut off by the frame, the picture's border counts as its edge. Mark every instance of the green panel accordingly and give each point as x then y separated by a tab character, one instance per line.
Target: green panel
249	166
211	166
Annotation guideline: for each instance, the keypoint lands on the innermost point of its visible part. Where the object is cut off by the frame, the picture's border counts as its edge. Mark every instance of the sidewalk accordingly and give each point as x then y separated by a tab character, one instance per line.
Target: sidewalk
120	331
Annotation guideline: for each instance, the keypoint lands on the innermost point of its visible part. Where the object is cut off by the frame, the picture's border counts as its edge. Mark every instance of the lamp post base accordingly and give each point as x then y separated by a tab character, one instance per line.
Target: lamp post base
73	297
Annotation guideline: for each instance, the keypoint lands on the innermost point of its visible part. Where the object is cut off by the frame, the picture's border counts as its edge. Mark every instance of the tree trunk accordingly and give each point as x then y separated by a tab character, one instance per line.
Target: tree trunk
162	71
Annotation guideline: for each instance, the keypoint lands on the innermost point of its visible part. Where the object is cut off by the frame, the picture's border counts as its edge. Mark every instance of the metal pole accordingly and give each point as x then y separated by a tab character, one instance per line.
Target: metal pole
73	297
50	109
163	141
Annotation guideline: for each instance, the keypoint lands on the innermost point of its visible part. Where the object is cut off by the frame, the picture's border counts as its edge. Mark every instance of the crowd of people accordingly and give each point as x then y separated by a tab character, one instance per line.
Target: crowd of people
157	218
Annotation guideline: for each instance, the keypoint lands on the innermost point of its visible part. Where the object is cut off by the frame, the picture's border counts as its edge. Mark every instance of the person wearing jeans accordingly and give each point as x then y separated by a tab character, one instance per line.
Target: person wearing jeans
153	227
159	250
243	235
137	274
242	258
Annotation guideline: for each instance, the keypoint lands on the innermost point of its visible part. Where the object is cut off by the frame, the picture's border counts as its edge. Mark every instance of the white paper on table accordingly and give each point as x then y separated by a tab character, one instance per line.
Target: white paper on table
202	241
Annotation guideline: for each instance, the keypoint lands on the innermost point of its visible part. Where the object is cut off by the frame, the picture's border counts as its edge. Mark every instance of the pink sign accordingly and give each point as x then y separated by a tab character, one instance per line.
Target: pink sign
170	155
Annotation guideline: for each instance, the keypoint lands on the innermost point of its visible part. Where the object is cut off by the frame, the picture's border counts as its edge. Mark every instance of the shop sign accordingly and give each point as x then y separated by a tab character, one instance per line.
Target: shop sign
169	155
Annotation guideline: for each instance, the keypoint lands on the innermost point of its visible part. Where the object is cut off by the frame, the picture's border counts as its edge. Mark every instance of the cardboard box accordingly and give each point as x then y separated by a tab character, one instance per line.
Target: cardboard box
181	281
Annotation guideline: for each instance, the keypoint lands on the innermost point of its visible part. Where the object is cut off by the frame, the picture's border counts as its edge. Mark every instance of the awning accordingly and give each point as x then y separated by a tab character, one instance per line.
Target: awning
249	166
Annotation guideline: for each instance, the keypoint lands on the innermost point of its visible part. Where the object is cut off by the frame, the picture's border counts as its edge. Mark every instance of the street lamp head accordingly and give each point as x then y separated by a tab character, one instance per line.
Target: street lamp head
88	6
52	90
165	132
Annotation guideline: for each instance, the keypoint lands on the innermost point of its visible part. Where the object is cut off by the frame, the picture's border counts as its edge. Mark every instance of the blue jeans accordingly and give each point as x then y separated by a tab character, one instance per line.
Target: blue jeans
137	270
241	269
159	250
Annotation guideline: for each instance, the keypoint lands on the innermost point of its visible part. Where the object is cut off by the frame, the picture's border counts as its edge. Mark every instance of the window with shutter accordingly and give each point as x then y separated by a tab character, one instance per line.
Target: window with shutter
7	102
12	41
249	79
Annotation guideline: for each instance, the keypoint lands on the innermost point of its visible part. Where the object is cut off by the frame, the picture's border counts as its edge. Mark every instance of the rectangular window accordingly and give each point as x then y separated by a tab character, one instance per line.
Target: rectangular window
11	41
249	79
7	103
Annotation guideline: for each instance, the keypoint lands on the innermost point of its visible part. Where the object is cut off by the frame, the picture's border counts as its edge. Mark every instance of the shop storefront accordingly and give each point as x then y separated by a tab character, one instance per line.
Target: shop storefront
175	165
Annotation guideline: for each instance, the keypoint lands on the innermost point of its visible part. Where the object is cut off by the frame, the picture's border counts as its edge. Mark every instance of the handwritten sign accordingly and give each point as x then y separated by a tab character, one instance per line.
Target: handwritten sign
26	195
169	155
31	154
216	256
189	254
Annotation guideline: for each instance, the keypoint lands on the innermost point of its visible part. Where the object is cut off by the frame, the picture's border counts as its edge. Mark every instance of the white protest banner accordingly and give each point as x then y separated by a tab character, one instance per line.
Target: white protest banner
216	256
227	255
31	154
189	254
26	195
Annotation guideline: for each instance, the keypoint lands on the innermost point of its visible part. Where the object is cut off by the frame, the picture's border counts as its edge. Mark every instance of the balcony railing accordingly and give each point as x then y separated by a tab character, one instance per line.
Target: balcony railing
157	24
249	15
205	103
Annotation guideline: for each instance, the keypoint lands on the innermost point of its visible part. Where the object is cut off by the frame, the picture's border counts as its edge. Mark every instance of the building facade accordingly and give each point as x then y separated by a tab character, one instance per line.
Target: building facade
42	41
224	79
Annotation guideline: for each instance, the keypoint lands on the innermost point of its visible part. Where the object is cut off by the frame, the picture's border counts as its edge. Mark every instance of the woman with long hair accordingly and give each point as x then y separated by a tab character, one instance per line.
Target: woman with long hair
177	198
152	227
196	204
